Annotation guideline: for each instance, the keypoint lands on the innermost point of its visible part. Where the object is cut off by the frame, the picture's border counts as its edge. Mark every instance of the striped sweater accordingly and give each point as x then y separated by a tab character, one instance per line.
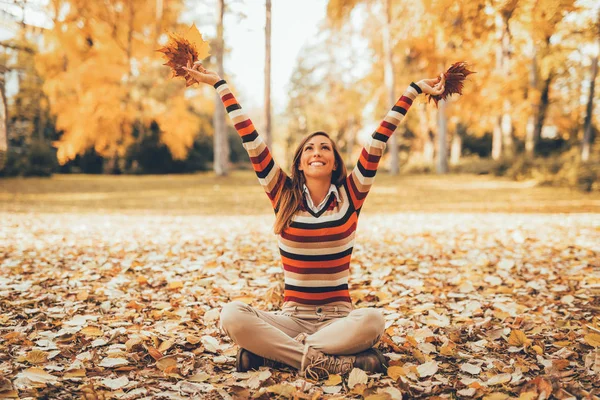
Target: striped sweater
316	248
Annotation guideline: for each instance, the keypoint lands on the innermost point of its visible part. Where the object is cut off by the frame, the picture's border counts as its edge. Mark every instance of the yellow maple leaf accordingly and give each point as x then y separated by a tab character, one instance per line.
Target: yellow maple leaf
395	372
185	49
518	338
202	46
593	339
37	357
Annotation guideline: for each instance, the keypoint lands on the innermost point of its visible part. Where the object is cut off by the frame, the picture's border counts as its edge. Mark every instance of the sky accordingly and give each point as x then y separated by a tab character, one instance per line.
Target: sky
294	23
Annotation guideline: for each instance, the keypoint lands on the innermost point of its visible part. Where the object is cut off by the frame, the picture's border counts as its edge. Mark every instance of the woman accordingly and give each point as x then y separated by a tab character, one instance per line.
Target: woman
317	331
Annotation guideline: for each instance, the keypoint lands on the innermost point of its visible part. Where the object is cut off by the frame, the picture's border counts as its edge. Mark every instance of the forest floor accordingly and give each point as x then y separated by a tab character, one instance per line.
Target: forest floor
111	287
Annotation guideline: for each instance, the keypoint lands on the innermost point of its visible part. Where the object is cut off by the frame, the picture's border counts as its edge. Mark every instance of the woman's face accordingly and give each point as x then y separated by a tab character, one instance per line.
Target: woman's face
318	159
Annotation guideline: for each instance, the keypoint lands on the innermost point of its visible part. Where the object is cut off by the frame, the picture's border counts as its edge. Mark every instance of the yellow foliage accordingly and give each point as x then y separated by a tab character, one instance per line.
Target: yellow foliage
101	76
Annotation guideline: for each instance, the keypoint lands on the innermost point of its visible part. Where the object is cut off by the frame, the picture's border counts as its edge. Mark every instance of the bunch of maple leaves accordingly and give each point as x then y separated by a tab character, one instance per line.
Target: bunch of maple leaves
495	306
183	50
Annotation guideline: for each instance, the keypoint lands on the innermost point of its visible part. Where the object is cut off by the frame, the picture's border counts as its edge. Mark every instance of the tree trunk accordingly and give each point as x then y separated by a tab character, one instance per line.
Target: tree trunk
497	139
530	139
267	106
587	125
389	82
442	156
426	134
455	149
221	145
544	103
3	118
158	21
503	141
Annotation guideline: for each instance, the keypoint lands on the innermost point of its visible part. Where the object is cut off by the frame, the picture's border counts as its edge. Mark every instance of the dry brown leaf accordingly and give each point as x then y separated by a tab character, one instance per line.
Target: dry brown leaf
395	372
334	379
284	390
166	362
75	373
357	376
182	50
91	331
518	339
37	357
428	369
154	353
538	385
593	339
166	345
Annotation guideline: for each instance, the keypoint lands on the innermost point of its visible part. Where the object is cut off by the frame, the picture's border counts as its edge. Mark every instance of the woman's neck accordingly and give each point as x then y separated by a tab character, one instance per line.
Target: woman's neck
318	189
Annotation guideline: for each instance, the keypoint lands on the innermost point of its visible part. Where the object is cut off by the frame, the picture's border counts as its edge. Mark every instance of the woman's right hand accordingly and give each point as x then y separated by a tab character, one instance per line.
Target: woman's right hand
201	74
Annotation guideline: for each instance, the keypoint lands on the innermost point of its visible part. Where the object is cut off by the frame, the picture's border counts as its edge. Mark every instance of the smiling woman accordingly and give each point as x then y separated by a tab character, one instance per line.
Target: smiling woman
318	330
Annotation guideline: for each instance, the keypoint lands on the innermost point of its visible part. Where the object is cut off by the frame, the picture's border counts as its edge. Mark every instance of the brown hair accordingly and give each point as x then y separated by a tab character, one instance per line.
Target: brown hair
291	194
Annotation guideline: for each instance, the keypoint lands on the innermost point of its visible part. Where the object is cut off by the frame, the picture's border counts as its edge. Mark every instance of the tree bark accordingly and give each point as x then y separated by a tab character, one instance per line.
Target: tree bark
442	156
220	144
426	135
158	20
530	139
390	82
3	118
497	139
503	140
587	125
542	109
267	105
456	149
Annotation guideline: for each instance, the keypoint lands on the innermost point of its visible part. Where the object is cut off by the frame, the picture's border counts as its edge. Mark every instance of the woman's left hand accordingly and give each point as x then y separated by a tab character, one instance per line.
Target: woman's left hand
432	86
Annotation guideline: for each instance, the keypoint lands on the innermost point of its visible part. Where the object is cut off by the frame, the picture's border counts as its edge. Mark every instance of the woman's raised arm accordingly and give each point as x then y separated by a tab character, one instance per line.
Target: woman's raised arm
359	181
270	175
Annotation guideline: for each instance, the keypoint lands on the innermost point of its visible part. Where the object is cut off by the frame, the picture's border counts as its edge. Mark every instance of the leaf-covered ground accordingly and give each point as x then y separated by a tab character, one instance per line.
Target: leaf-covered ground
124	306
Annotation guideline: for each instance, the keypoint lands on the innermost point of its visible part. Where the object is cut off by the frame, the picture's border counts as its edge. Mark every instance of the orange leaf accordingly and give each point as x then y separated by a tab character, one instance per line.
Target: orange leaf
517	338
454	83
593	339
154	353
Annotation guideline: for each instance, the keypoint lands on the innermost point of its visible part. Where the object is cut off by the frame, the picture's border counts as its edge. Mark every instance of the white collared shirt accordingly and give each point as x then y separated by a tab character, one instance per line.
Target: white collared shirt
311	205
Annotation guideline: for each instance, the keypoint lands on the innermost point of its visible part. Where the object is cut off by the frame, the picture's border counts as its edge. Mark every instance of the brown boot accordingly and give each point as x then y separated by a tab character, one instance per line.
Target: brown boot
371	361
246	360
318	365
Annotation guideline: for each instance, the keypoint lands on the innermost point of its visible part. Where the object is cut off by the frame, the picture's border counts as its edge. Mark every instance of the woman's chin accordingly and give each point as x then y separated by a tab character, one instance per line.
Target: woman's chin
320	175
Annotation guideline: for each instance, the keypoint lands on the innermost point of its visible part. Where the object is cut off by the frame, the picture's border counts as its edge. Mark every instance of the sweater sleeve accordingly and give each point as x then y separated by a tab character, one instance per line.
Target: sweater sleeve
270	175
359	181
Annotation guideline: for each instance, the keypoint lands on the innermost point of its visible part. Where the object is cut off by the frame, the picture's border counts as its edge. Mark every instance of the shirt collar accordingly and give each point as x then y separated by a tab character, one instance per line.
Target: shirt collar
332	189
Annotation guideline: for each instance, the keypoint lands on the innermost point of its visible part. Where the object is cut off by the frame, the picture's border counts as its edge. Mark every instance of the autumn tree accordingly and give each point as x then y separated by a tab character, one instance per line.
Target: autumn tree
267	97
221	144
587	128
104	78
3	135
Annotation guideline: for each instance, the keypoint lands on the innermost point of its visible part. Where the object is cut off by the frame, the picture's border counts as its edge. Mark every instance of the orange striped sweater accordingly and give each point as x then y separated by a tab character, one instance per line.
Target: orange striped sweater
317	247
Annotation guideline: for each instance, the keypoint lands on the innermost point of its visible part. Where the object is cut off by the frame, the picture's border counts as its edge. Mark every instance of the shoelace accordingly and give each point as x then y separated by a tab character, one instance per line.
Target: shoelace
324	365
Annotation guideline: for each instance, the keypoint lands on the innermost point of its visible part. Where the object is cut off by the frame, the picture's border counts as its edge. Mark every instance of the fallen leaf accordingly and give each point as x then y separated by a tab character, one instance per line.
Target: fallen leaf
470	368
517	338
357	376
115	384
33	378
499	379
395	372
37	357
283	390
166	362
257	378
593	339
110	362
427	369
333	380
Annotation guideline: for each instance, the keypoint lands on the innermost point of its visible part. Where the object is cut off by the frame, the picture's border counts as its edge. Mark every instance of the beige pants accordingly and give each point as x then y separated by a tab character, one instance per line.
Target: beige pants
332	330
